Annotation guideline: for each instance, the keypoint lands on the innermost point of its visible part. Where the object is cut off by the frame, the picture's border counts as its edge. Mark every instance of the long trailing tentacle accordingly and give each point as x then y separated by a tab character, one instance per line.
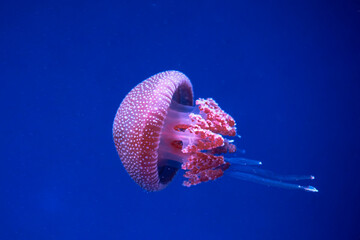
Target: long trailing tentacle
270	182
246	169
243	161
269	174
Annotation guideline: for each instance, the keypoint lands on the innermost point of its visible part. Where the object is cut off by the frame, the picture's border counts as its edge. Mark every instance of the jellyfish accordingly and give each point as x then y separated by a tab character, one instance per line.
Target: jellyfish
158	130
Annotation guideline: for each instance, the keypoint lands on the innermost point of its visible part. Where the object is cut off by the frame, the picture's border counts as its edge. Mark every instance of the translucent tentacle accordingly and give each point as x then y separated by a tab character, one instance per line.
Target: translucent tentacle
249	170
243	161
270	182
269	174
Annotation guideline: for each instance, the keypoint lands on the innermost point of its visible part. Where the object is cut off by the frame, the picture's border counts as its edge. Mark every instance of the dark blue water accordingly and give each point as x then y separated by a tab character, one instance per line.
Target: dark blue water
287	71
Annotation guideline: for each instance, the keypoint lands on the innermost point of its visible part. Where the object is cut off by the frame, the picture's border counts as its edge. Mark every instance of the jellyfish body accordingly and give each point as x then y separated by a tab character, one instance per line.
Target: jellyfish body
157	131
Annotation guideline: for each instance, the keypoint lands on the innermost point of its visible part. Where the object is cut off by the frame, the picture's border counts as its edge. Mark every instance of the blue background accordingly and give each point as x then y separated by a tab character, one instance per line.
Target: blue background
287	71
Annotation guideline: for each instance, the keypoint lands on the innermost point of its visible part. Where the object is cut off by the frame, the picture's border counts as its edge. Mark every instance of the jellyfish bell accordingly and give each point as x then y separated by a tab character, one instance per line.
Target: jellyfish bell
158	130
138	126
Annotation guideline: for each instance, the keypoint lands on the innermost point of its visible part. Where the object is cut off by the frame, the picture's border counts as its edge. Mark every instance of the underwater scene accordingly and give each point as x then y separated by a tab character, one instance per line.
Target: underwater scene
180	120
